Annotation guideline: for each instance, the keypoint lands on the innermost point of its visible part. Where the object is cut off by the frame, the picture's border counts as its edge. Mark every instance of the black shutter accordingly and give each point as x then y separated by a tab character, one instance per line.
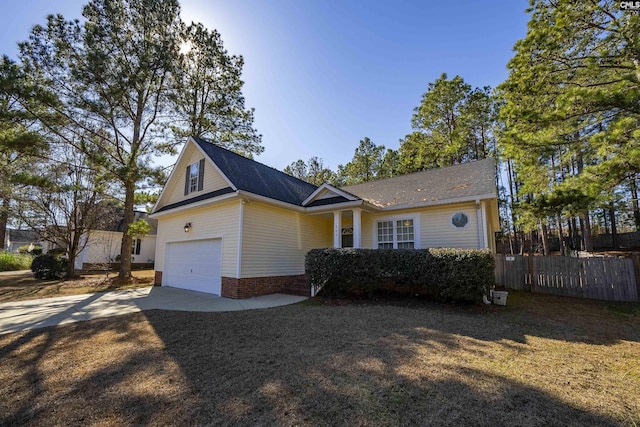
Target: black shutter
186	181
201	174
138	242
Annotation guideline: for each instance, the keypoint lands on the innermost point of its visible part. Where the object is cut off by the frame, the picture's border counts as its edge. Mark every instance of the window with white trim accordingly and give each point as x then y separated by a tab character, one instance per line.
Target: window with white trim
396	234
135	246
193	176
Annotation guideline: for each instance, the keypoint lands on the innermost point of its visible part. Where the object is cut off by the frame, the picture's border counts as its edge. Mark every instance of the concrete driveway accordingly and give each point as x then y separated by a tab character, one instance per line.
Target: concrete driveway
40	313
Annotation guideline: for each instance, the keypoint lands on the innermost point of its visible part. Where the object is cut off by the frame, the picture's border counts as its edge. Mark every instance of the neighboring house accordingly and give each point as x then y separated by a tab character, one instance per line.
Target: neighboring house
15	239
103	246
234	227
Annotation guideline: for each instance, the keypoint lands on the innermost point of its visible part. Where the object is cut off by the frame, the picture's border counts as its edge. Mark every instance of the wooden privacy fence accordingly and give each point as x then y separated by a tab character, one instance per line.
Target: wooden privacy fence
610	279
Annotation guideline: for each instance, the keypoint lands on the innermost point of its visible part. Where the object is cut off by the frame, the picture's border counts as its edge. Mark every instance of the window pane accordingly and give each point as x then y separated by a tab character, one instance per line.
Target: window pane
193	177
403	238
404	229
385	232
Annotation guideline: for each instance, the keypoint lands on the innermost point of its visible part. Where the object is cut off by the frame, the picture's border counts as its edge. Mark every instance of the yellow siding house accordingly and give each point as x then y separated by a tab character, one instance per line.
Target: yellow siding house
231	226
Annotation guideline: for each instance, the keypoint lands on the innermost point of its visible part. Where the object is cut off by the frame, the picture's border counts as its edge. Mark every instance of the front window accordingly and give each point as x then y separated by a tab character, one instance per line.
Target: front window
385	235
193	177
404	231
135	246
398	234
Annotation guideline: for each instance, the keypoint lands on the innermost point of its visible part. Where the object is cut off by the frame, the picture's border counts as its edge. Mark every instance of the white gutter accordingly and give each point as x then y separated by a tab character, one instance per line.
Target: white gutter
267	200
439	202
325	208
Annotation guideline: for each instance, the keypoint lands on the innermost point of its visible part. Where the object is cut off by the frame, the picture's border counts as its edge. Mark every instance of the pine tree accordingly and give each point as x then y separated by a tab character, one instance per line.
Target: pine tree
365	164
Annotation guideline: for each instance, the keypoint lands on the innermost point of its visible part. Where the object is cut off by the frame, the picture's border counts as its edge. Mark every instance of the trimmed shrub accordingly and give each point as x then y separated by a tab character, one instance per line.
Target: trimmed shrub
35	250
447	274
12	262
48	266
57	251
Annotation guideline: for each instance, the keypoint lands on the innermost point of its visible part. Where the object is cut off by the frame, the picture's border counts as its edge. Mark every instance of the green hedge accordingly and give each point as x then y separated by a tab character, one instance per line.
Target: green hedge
447	274
35	250
10	261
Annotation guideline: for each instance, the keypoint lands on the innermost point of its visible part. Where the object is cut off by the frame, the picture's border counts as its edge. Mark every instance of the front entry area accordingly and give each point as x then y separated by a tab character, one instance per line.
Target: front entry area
195	265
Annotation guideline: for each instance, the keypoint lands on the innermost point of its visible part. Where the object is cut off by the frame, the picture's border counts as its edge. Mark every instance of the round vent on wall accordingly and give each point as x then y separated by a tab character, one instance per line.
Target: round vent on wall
460	220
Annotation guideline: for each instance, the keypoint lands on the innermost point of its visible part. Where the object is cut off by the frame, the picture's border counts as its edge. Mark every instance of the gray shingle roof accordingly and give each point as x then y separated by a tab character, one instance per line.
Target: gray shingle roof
20	235
466	180
256	178
115	220
454	182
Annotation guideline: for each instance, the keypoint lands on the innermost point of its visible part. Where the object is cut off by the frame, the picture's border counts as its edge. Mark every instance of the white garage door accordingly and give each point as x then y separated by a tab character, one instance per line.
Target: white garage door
194	265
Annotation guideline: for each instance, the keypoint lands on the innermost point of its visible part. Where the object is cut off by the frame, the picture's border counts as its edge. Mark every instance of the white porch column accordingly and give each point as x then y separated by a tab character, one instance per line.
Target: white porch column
357	228
337	229
479	222
485	234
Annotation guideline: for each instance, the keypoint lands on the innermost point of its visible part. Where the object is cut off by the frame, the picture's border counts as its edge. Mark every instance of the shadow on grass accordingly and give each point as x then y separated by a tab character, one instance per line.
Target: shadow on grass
108	371
526	314
347	368
296	365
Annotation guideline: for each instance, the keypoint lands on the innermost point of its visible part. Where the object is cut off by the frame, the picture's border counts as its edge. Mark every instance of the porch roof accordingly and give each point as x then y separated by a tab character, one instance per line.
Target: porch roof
463	181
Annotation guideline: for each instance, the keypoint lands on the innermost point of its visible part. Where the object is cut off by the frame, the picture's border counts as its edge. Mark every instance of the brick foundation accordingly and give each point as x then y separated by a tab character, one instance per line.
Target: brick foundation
256	286
157	281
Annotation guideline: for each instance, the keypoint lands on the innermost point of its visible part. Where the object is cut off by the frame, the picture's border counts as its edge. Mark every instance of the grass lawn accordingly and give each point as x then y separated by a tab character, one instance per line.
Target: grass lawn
23	286
542	360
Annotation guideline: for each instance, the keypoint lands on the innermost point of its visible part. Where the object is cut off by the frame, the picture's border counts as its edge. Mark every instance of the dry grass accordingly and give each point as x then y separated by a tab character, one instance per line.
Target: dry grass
542	360
23	286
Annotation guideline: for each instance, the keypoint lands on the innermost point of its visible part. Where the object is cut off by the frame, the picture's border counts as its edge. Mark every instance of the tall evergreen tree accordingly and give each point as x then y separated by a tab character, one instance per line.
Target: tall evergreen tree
453	124
112	86
20	141
438	138
312	171
207	95
365	165
572	110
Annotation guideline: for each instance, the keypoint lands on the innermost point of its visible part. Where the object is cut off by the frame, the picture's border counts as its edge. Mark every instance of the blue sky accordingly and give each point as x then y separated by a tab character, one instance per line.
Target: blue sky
324	74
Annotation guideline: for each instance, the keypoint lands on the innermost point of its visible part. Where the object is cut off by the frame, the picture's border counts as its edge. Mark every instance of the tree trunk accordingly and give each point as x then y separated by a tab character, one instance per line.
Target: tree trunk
634	202
4	218
511	192
575	237
125	248
545	237
570	233
614	228
73	253
587	237
563	248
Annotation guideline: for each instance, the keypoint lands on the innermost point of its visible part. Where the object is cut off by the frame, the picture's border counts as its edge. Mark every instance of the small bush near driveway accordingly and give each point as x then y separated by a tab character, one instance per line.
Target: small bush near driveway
10	261
47	266
447	274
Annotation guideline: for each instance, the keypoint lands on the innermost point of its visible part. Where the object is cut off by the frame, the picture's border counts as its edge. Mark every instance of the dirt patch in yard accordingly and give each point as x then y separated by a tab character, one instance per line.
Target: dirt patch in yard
365	364
21	286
